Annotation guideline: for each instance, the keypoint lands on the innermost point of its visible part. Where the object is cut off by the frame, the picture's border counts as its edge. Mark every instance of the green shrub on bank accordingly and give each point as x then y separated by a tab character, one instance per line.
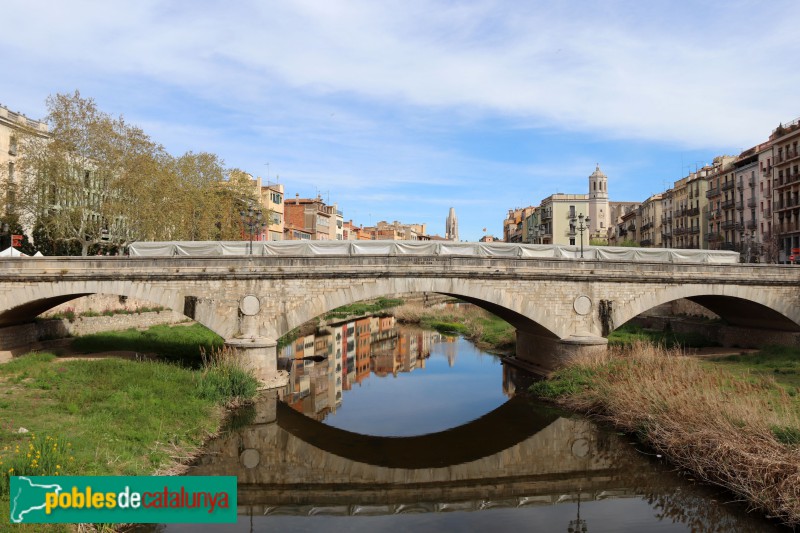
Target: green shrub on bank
364	308
174	343
224	379
447	327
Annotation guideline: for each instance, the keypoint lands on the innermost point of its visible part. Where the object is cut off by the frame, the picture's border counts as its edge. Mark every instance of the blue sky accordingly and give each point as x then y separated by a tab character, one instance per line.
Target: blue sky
399	110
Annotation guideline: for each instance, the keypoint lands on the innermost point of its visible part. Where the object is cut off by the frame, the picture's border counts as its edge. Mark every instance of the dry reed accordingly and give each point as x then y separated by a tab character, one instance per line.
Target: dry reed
705	419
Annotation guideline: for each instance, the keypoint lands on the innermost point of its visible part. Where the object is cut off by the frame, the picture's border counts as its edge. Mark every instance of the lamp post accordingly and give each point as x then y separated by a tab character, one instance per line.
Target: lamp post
252	218
581	227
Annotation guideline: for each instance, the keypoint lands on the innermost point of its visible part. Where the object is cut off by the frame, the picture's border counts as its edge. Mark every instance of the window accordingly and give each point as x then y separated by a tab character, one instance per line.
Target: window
12	145
276	197
572	241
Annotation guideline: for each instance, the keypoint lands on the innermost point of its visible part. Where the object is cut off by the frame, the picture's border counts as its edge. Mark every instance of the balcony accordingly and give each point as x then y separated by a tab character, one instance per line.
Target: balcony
680	231
740	184
712	192
767	170
647	226
751	181
729	225
751	203
694	230
740	206
666	233
727	204
713	237
751	224
767	212
693	212
789	227
767	193
789	203
728	185
646	242
791	154
727	245
789	179
711	215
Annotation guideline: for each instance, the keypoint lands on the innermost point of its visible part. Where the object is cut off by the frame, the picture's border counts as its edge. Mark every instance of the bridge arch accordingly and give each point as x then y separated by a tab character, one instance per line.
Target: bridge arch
522	313
29	302
743	306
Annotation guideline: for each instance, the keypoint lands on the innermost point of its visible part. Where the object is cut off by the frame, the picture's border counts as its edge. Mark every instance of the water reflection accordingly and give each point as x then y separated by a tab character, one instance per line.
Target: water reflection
290	466
404	429
376	377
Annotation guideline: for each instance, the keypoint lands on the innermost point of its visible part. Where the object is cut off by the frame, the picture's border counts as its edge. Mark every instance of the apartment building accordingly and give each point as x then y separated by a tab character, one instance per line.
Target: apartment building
323	222
649	219
786	188
747	199
272	200
515	228
666	219
558	215
12	127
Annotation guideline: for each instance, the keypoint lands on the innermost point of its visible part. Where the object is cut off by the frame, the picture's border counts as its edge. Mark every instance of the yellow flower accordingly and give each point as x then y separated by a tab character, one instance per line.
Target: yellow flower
58	466
10	470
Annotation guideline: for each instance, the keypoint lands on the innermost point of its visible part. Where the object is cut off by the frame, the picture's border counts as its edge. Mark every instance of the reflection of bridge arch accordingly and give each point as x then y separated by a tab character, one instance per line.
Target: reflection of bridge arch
558	455
458	445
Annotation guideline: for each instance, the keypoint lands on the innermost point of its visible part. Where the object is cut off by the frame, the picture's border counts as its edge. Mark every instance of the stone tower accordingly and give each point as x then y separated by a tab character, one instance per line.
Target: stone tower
451	226
598	203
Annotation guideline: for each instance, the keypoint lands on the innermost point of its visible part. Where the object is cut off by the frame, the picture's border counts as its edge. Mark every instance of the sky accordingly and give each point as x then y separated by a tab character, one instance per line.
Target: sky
399	110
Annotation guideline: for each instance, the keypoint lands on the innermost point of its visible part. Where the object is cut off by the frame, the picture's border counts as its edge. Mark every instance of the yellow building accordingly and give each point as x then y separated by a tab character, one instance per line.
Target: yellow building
272	200
557	213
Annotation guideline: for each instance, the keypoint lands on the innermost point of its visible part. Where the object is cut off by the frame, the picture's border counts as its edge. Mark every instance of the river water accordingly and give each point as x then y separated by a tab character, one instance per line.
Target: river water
390	428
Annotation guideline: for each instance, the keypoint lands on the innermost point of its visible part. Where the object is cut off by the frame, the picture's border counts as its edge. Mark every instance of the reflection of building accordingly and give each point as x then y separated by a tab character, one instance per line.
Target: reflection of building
341	354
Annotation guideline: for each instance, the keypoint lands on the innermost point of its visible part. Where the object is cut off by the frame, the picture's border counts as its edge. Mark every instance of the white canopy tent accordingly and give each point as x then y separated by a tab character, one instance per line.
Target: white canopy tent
12	252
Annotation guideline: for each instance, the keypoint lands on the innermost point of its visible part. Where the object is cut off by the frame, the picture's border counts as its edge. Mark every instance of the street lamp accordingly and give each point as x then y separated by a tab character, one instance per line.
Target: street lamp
581	227
253	219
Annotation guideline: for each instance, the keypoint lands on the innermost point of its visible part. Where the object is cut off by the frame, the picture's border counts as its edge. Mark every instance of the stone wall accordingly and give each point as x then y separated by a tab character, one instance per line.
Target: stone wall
98	303
727	336
16	340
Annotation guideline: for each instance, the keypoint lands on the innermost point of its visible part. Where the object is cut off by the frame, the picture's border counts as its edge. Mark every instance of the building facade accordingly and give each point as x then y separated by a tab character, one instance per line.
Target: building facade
786	188
12	127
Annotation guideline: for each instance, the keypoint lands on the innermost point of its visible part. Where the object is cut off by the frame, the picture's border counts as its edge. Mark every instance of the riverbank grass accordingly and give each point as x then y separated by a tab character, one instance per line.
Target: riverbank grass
481	327
630	334
184	344
736	429
107	416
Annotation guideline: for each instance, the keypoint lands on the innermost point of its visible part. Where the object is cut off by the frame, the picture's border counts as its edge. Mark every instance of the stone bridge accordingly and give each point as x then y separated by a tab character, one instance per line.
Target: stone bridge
558	306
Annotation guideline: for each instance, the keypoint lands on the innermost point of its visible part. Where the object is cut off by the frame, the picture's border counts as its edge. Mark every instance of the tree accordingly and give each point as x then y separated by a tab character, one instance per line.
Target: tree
83	183
97	181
